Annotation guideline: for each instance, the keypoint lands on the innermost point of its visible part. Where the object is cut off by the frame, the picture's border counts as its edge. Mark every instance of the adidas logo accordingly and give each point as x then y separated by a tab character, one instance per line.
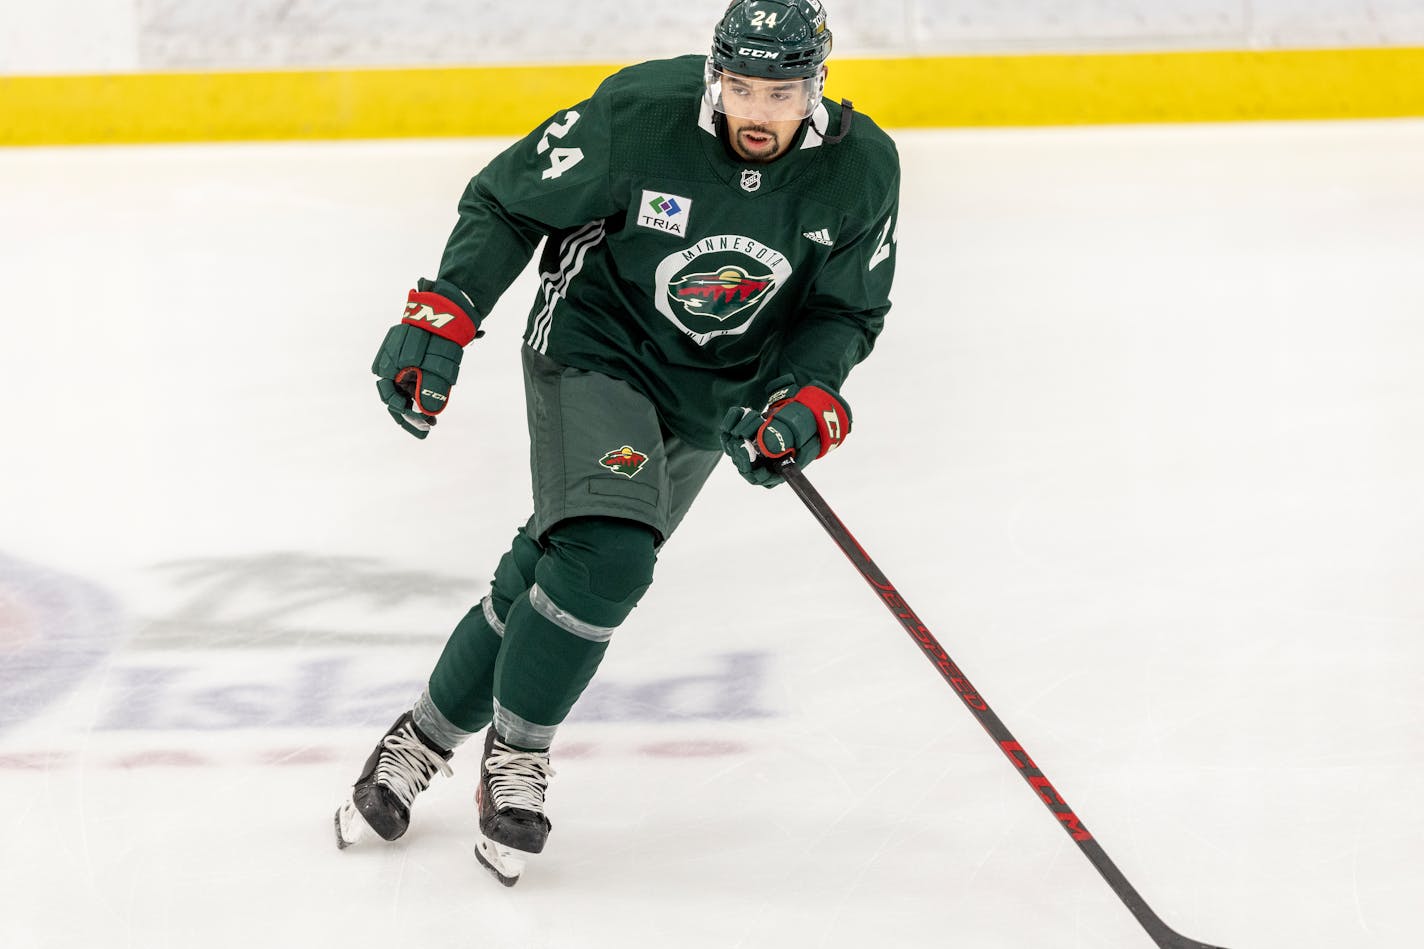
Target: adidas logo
823	236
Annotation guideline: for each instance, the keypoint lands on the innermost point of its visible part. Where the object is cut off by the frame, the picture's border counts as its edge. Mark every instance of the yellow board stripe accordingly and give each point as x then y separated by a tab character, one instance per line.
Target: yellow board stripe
1140	87
942	91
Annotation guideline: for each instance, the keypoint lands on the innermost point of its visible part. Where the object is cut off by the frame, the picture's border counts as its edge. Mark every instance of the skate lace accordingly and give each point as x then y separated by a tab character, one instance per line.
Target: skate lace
408	765
517	778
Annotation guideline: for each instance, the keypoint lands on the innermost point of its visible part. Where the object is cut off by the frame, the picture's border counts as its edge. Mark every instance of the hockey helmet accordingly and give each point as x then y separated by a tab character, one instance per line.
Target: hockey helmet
783	41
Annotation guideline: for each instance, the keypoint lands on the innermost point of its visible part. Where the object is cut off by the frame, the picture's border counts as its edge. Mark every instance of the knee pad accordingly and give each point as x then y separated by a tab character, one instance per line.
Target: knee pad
597	568
515	572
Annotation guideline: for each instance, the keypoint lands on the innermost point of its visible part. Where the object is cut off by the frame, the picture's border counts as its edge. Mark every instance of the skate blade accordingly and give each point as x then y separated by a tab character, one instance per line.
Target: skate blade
505	863
351	826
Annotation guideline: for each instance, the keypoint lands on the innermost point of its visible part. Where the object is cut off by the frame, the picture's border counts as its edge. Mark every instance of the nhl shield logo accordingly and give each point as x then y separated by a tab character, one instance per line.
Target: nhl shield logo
626	461
751	180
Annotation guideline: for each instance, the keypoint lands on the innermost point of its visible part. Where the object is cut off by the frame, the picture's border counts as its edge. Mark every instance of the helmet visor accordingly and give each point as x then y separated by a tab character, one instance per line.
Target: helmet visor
762	100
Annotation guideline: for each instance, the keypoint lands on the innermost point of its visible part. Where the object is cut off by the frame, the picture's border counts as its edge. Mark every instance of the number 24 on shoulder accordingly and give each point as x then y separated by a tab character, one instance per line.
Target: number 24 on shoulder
561	159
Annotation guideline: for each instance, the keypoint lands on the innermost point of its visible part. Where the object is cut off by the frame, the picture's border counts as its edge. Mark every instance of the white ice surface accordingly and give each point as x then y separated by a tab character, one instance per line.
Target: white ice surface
1141	444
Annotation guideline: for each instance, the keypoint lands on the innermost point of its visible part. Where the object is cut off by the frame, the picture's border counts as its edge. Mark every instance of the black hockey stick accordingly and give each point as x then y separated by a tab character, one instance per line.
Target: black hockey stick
1162	934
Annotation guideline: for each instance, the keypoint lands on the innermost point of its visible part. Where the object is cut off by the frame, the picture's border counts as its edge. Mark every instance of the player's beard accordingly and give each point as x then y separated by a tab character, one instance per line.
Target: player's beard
754	154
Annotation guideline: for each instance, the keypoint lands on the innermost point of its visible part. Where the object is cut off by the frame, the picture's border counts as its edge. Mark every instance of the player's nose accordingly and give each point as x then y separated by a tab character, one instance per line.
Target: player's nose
760	110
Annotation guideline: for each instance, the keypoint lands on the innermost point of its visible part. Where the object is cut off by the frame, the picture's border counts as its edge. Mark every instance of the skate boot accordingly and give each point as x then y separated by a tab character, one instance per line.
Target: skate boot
510	799
400	768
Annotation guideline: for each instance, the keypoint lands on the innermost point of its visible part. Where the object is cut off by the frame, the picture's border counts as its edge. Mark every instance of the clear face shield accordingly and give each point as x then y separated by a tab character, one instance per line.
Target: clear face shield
763	100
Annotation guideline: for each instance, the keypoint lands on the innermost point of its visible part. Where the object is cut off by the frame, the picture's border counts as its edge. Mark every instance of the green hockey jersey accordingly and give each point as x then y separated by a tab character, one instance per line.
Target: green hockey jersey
694	276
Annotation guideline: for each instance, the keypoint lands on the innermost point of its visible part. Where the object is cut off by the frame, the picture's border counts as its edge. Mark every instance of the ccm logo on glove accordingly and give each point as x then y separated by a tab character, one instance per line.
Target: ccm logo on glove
419	360
439	315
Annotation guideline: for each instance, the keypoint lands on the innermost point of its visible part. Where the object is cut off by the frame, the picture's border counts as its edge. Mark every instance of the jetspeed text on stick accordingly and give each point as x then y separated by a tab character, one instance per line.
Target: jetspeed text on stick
922	635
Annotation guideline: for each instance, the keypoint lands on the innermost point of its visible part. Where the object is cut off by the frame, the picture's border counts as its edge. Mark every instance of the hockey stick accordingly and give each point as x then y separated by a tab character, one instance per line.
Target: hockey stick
1162	934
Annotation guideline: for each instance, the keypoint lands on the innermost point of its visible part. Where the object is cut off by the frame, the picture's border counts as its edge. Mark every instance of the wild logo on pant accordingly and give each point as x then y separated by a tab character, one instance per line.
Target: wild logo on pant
626	461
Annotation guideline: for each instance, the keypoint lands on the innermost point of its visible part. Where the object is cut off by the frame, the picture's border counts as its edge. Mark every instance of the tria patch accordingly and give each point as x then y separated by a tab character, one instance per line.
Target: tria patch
626	461
668	213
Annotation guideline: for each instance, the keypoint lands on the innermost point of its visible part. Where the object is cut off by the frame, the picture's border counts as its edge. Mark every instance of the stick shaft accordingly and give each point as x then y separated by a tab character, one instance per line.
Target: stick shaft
1160	932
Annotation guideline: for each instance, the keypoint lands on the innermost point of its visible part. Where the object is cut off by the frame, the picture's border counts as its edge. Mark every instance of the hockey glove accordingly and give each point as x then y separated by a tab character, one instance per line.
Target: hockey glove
802	422
419	360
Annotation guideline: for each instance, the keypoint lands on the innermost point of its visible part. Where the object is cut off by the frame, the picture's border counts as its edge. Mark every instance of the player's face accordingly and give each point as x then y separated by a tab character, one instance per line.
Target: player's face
763	115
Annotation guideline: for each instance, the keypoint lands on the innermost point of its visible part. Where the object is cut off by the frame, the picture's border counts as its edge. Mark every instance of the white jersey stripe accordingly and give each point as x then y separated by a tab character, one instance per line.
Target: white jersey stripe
567	251
576	247
572	254
554	283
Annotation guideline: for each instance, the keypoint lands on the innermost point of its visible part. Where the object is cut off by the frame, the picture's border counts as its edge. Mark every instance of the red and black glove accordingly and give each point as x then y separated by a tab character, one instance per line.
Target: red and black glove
804	422
419	360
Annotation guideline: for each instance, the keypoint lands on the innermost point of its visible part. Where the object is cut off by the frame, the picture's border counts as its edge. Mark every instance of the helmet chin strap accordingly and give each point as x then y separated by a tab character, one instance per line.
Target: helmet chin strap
847	115
719	122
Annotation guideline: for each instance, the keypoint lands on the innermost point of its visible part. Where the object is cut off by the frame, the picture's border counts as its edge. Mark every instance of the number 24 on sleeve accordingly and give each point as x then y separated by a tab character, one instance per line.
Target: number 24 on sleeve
561	159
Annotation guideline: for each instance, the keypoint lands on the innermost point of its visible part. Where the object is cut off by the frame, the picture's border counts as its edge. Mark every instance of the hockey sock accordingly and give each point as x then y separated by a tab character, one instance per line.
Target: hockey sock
435	726
541	672
462	682
515	573
592	574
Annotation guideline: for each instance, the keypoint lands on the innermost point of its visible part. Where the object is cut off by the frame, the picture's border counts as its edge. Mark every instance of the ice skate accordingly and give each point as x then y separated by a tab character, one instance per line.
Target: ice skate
400	768
510	799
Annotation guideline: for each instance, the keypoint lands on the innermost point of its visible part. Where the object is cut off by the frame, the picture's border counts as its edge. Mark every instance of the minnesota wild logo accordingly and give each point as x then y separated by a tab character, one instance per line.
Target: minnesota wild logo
625	461
721	294
719	285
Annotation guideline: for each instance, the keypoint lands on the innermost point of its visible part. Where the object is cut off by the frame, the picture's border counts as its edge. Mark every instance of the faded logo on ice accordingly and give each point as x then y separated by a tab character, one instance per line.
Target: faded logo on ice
54	628
300	641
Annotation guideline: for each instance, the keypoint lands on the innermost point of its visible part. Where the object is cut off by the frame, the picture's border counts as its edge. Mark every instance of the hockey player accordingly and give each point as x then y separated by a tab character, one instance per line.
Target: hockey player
716	236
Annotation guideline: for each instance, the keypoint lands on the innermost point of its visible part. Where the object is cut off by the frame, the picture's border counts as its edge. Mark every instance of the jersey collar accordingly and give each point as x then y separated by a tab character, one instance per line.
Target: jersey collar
769	177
